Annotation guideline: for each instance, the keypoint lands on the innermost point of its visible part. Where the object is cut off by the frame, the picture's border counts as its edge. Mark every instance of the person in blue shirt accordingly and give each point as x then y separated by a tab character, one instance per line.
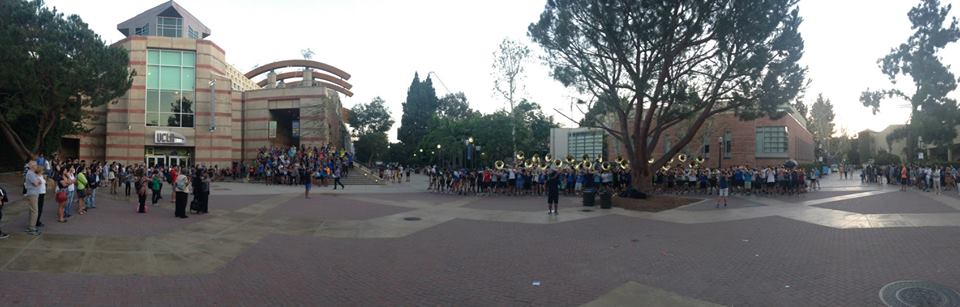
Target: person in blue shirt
724	187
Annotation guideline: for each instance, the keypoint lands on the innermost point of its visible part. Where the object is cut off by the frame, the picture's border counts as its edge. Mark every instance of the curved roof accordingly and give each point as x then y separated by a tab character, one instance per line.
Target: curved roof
331	86
316	75
298	63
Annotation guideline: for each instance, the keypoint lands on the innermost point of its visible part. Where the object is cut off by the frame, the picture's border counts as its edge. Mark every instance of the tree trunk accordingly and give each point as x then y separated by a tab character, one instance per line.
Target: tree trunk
15	142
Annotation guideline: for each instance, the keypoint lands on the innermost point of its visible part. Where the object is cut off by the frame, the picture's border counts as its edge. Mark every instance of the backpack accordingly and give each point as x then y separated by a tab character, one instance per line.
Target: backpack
156	183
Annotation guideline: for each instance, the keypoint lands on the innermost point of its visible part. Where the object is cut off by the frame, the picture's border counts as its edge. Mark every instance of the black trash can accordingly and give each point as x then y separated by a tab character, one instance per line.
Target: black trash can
605	201
589	199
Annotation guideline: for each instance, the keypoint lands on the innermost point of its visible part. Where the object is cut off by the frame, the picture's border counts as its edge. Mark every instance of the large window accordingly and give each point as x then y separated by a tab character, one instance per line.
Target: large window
590	143
772	141
727	145
170	26
171	77
192	34
144	30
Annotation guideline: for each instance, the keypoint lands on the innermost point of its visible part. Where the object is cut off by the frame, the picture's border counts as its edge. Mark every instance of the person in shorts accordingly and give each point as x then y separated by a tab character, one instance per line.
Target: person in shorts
724	189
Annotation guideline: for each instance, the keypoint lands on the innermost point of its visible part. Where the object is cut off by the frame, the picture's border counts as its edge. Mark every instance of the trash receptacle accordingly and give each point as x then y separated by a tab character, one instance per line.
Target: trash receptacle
589	198
605	201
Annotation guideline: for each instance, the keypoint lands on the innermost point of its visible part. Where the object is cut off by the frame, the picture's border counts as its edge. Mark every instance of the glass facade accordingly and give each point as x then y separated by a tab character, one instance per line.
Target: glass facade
772	141
171	78
169	26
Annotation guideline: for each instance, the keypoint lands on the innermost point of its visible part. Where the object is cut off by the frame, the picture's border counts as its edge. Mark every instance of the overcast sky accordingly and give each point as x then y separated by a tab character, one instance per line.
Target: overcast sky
382	43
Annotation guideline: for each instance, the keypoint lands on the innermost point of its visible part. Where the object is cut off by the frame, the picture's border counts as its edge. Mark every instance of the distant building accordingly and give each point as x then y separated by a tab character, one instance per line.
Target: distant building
576	142
725	137
189	106
898	147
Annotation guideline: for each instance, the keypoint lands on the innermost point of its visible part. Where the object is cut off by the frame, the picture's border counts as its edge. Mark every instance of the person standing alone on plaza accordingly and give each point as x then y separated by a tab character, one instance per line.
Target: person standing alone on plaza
724	189
336	179
553	193
307	179
141	186
181	189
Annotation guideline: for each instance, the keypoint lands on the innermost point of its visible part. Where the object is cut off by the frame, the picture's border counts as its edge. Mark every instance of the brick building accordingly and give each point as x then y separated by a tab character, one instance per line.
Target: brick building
759	142
187	105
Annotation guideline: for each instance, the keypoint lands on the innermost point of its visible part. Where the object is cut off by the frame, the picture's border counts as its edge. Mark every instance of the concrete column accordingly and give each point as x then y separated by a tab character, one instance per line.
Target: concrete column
308	77
271	79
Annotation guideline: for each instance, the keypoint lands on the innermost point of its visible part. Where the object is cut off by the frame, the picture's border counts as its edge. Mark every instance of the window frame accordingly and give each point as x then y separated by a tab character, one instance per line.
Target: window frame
185	94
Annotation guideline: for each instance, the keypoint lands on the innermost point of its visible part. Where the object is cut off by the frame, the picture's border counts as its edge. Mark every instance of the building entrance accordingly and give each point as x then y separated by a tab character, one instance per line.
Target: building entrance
168	156
284	127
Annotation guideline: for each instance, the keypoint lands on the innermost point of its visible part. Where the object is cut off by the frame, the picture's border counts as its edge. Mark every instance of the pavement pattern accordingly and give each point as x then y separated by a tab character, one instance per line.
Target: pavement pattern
397	245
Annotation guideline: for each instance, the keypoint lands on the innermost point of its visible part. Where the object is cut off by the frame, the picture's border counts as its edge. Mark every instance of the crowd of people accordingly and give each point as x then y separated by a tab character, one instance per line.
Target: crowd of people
930	178
76	183
521	181
295	165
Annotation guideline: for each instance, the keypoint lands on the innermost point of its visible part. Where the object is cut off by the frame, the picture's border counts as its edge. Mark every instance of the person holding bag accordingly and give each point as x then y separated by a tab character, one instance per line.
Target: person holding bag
62	184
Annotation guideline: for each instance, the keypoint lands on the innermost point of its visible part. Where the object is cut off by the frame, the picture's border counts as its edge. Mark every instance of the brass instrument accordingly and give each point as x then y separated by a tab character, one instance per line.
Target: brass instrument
587	164
571	159
544	165
548	158
599	159
558	163
618	159
605	166
625	164
650	161
699	160
682	157
528	164
520	155
499	164
536	158
576	166
586	157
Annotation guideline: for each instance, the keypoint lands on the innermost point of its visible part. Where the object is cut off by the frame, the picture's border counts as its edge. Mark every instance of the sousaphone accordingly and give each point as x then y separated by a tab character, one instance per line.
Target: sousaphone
571	159
605	165
548	158
499	164
558	163
535	158
520	155
587	164
682	157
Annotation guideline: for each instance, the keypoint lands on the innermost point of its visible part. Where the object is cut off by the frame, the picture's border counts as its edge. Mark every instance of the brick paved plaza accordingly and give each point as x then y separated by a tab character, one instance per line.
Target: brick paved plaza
268	246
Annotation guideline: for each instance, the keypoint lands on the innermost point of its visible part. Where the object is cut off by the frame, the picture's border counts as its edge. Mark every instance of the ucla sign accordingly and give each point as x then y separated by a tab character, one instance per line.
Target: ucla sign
168	137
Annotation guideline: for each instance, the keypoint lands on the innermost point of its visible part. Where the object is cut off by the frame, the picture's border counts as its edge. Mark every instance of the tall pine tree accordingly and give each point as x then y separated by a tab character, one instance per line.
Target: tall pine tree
418	110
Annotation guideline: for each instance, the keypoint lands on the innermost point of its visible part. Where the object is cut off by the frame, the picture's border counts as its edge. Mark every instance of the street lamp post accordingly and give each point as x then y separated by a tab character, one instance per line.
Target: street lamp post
439	155
720	152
